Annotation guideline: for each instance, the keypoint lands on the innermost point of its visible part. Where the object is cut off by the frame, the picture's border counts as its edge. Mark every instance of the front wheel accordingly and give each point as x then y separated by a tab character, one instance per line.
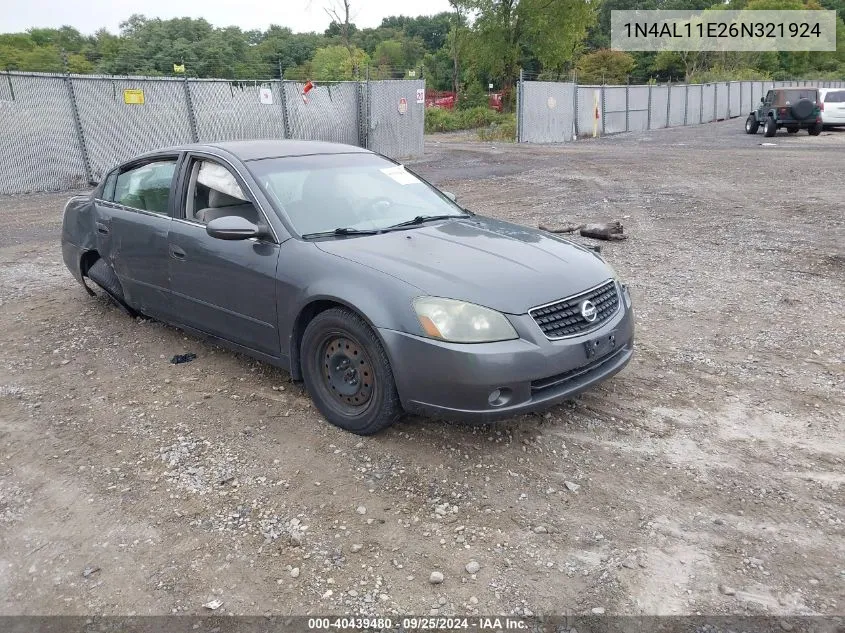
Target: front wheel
751	125
770	128
816	129
792	130
347	373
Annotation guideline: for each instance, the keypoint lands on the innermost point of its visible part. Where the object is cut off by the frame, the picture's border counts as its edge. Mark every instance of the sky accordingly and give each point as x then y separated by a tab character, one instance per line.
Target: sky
299	15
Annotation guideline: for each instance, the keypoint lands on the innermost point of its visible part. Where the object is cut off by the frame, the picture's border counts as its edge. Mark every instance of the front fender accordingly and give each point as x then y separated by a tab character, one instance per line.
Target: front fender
382	300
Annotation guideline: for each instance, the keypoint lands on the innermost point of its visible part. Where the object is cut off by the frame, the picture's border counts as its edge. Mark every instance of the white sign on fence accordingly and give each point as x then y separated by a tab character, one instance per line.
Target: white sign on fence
265	95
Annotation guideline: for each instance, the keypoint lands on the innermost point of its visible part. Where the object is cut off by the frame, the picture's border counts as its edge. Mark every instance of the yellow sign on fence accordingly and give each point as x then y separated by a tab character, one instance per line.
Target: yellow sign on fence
133	97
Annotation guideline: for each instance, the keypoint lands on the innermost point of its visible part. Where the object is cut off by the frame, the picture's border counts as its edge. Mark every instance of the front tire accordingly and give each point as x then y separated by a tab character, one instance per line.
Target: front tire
792	130
347	373
770	128
751	125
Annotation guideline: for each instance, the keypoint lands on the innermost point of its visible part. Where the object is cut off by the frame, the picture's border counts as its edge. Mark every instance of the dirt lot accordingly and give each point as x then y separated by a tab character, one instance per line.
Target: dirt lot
709	477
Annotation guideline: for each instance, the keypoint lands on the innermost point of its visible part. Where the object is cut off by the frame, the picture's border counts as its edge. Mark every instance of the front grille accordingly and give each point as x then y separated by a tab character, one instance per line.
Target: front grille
563	318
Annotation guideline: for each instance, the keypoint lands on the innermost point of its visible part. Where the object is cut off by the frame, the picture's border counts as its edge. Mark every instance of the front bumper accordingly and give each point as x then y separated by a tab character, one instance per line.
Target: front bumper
458	381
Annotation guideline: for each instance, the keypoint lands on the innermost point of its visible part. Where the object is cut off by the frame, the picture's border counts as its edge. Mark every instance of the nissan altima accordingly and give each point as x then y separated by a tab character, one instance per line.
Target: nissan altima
380	292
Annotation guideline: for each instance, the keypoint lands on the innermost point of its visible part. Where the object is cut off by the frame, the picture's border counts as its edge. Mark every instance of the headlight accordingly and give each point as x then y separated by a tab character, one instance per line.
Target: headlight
461	322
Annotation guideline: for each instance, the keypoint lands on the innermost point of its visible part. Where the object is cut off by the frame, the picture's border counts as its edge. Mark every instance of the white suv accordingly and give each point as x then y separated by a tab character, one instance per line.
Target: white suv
832	102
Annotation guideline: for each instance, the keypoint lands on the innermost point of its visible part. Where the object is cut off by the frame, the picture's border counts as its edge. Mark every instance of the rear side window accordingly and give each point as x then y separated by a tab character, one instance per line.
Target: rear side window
835	97
794	96
146	187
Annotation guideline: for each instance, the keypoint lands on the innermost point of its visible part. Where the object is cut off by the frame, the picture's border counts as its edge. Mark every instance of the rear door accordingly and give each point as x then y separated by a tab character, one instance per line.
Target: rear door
133	222
225	288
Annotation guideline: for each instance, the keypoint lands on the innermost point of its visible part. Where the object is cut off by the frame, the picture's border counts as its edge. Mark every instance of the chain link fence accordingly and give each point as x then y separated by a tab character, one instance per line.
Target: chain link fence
62	132
557	112
396	116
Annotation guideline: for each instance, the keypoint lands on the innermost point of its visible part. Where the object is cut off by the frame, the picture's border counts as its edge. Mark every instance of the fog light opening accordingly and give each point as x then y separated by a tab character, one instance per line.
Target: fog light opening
499	397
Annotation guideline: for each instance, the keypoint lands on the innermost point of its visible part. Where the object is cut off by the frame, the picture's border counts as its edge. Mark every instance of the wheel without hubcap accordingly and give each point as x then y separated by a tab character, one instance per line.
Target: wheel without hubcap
347	373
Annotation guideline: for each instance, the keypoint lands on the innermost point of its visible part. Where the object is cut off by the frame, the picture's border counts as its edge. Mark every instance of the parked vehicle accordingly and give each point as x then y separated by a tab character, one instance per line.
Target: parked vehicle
792	108
832	104
355	275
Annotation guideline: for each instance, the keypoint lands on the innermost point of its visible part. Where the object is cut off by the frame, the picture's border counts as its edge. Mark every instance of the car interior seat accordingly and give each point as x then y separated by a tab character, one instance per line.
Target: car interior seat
222	205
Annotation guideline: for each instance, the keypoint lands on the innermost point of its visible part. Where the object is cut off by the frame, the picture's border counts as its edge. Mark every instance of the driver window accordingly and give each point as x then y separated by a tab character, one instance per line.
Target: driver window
770	96
213	192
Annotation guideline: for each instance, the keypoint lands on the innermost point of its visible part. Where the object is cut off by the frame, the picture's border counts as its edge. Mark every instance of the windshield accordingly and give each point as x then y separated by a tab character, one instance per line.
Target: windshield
357	191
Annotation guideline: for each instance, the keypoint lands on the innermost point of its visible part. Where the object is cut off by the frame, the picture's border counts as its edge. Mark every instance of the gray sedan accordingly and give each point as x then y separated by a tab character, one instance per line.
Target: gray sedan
355	275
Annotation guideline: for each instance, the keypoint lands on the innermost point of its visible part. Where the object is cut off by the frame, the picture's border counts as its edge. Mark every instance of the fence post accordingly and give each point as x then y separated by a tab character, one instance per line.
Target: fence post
520	96
648	119
80	134
668	100
627	103
362	88
686	104
715	102
603	110
9	80
575	109
369	113
728	112
283	101
190	105
701	105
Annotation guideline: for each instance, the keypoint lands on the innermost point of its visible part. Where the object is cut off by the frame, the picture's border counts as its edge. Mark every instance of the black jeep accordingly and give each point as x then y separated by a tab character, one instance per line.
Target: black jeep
792	108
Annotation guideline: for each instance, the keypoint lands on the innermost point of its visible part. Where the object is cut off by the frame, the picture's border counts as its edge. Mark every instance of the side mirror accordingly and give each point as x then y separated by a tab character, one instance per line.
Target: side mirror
232	227
762	99
451	196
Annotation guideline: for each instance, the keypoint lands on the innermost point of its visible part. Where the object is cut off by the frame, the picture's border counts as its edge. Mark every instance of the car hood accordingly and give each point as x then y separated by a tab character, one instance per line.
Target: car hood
500	265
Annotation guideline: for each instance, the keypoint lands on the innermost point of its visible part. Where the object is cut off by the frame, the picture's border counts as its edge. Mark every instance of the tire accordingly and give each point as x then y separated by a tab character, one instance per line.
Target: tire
751	124
803	109
792	130
816	129
770	128
347	373
103	275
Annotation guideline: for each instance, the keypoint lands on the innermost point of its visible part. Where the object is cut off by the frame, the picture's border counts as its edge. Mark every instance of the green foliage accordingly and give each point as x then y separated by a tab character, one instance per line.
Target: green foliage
334	63
605	66
718	73
503	130
439	120
473	96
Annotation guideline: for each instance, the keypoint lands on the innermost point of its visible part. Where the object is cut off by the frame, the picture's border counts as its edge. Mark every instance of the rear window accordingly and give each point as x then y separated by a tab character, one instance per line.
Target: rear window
835	97
794	96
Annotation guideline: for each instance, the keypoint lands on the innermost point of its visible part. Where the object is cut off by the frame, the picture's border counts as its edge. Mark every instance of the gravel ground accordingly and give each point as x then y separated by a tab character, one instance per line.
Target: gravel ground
707	478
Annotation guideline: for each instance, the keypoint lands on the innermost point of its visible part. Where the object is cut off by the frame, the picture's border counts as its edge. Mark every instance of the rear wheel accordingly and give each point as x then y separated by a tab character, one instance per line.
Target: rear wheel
770	128
347	373
816	129
751	124
103	275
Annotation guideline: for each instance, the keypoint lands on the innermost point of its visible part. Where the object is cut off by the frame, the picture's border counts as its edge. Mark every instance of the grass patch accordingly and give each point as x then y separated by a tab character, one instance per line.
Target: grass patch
503	130
439	120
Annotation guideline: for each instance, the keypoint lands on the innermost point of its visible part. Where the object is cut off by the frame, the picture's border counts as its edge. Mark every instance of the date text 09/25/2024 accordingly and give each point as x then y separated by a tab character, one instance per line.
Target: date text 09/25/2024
418	623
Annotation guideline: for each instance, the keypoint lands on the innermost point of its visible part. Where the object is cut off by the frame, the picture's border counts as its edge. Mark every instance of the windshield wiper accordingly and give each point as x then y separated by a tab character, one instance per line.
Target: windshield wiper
424	218
344	230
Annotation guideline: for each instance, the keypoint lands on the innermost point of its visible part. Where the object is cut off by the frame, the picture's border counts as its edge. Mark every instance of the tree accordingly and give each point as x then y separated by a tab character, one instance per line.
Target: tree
509	31
334	63
605	66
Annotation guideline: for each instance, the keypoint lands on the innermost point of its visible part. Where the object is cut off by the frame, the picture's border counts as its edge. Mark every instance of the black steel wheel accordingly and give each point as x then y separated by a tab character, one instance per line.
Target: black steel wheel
347	373
816	129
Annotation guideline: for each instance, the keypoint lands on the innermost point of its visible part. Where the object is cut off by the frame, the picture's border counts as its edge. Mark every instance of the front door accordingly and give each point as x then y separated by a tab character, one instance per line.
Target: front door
222	287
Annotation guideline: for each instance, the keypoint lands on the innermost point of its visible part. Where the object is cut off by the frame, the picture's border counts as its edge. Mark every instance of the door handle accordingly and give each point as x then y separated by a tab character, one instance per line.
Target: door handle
102	229
177	253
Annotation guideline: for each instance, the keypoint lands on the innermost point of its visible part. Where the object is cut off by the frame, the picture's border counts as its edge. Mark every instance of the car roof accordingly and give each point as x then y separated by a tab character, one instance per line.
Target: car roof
258	149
